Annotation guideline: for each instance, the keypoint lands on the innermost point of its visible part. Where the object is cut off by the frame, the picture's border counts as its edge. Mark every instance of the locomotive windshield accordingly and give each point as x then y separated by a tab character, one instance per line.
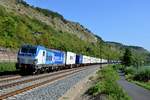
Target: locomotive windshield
31	50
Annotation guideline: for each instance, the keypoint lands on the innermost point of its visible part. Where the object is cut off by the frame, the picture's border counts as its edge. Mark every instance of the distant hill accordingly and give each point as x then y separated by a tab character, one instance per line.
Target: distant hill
119	45
138	52
21	23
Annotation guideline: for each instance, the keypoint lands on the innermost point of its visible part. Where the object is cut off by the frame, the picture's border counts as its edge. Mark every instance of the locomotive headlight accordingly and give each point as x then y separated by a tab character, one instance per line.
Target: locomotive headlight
35	61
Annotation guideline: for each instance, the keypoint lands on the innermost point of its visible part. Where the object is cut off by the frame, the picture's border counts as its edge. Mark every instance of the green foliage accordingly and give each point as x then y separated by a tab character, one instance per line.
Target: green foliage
135	58
143	84
130	70
108	85
127	58
117	67
142	74
97	88
7	67
147	60
140	56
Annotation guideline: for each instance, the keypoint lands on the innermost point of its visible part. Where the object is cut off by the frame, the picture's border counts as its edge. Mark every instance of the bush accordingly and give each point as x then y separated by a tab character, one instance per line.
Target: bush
94	90
142	74
129	77
130	70
118	67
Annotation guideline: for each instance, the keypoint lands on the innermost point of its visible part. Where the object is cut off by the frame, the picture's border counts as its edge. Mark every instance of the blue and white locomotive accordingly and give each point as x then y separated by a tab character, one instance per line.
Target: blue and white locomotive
38	58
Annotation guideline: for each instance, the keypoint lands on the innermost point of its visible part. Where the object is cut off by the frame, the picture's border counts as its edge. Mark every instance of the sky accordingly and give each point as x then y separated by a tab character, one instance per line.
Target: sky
124	21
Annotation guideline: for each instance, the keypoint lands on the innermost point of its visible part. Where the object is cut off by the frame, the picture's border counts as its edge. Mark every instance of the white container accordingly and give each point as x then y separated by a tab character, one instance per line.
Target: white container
104	61
70	58
85	59
89	59
97	60
92	60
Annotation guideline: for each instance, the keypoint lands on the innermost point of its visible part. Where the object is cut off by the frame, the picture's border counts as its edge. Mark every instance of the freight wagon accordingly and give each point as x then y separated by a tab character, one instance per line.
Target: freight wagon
70	59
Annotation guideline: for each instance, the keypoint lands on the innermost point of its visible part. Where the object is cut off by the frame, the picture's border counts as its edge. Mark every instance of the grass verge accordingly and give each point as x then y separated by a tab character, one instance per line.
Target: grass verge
108	85
145	85
7	67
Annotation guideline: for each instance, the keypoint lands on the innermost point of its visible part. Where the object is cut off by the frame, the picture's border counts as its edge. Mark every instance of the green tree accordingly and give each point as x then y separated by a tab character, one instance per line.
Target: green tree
127	58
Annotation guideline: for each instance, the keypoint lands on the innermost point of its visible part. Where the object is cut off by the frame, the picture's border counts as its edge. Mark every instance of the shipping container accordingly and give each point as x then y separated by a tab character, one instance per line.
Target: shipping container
104	61
86	59
92	60
79	59
99	60
70	58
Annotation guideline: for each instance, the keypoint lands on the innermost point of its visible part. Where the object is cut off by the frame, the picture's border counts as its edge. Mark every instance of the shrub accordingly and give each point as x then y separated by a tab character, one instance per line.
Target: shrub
129	77
130	70
118	67
142	74
94	90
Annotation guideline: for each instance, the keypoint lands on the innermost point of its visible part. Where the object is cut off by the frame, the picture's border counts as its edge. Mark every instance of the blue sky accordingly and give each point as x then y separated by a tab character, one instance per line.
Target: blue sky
125	21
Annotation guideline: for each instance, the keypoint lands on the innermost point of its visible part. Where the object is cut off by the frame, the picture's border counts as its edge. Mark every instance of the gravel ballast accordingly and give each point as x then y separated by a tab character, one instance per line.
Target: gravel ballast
55	90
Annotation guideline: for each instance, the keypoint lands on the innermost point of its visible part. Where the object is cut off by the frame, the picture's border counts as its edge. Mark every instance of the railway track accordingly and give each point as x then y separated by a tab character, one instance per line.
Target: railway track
9	78
4	86
56	76
7	81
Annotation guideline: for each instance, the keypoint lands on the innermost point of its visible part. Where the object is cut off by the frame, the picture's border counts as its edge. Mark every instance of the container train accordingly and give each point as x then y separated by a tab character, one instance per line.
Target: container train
38	59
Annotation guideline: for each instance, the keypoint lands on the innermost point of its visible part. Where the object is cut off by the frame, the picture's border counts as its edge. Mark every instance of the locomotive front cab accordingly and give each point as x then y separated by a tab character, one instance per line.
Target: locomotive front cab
27	57
31	58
